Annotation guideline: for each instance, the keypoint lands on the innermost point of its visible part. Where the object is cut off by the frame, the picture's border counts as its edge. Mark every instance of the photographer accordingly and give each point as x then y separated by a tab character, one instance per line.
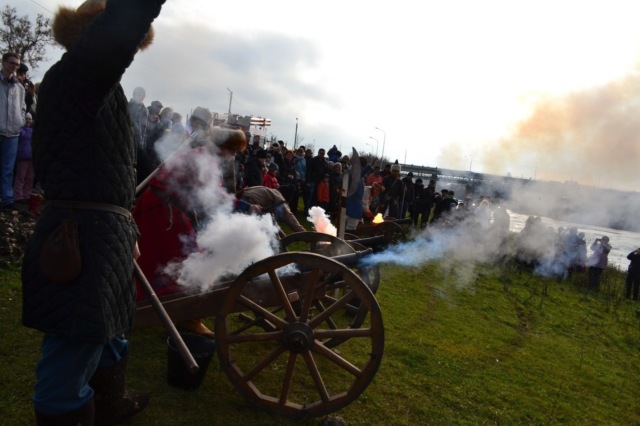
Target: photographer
598	262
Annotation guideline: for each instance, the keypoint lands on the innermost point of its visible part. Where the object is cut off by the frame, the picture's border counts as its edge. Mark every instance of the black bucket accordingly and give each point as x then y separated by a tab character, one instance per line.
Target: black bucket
202	350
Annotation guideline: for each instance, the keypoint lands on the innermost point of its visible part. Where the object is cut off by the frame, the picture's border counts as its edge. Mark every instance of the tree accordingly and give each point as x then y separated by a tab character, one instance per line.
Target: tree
28	40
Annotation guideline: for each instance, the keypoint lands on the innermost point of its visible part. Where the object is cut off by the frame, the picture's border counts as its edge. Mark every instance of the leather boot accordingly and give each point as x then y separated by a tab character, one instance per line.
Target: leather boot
196	326
83	416
113	402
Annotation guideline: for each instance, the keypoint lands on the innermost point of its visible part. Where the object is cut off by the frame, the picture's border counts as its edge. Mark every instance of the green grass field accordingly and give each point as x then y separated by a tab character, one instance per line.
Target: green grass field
464	344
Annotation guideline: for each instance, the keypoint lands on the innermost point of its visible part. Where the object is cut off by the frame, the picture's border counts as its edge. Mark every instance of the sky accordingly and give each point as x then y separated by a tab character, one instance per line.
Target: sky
547	90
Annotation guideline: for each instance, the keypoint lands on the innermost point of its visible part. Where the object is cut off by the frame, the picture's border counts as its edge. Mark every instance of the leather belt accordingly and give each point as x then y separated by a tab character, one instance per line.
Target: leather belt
87	205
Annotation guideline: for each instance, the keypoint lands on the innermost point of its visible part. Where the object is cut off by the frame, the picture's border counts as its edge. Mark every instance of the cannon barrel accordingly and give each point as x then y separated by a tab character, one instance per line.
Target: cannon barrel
405	221
372	242
352	259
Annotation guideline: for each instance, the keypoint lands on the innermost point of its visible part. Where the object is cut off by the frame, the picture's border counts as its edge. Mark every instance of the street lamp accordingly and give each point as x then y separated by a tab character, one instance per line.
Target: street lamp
295	137
368	144
371	137
230	98
384	140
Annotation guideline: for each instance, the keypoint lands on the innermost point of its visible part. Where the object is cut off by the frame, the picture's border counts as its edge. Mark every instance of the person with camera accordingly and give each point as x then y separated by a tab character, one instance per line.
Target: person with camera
633	275
598	262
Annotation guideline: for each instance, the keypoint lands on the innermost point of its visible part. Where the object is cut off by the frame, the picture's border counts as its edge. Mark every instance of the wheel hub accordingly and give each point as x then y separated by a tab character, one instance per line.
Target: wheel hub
298	337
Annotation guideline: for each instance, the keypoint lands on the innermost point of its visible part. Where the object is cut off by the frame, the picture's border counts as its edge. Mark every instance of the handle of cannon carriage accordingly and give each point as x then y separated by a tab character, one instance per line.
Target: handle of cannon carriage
186	356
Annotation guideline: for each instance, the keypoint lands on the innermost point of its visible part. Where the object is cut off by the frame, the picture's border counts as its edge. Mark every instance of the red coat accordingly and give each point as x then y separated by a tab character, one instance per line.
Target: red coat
323	192
166	232
270	181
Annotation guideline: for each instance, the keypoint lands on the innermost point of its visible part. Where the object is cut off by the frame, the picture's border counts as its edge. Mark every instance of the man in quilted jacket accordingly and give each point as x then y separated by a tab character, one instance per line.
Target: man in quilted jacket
84	157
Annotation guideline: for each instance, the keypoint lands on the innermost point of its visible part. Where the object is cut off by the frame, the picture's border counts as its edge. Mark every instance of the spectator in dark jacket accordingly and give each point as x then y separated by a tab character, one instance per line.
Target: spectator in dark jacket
633	275
255	166
334	154
390	196
83	153
408	195
419	213
317	167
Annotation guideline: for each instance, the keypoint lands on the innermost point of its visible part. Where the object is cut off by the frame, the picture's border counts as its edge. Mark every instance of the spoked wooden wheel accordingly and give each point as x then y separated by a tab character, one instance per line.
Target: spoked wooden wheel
291	370
315	242
328	245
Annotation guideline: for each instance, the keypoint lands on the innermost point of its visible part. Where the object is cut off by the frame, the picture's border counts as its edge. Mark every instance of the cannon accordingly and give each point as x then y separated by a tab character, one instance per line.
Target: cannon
299	333
392	229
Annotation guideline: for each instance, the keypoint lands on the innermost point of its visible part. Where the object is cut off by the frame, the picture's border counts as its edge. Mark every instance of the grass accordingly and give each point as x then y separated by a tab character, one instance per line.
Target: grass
464	344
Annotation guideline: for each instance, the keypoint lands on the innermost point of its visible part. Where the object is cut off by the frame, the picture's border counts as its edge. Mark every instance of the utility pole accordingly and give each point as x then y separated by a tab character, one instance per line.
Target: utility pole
295	137
384	141
230	98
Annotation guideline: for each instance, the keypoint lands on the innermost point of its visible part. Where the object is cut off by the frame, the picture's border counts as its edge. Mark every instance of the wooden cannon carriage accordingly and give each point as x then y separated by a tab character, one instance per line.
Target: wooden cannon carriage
300	332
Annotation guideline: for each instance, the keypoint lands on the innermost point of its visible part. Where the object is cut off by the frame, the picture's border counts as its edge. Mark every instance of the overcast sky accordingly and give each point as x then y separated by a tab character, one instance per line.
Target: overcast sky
540	89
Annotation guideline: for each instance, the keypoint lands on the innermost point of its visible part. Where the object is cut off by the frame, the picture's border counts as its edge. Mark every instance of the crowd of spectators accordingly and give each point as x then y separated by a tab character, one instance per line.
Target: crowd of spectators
302	174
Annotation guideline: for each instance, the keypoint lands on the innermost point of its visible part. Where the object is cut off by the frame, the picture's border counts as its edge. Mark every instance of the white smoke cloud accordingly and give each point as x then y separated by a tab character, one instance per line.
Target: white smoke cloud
228	241
229	244
321	222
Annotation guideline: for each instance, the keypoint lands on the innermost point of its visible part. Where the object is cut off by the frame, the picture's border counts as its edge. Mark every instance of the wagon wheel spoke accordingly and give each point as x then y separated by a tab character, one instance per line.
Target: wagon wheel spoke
288	378
255	337
259	310
250	322
317	378
264	362
275	280
339	304
310	295
343	334
329	320
337	359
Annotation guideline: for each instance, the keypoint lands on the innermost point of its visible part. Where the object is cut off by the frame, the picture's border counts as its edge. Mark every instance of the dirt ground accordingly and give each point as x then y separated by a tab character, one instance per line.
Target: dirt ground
16	227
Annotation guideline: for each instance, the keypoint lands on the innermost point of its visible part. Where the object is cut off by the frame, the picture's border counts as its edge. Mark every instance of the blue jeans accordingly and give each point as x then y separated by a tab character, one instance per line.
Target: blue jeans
8	152
65	368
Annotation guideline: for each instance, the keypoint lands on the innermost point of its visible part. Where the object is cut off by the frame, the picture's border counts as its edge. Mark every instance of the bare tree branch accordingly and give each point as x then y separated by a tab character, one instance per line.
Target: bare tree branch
20	35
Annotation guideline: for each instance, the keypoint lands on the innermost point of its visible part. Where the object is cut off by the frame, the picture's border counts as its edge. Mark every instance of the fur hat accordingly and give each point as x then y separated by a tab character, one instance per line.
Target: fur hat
229	139
202	114
68	24
395	167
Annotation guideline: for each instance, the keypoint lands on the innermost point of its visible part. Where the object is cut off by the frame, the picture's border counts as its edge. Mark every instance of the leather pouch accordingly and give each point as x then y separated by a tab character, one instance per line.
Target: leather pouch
60	260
